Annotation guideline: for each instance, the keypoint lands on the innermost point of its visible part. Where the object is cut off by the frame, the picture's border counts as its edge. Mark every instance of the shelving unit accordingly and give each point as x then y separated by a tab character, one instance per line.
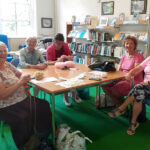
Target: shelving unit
82	45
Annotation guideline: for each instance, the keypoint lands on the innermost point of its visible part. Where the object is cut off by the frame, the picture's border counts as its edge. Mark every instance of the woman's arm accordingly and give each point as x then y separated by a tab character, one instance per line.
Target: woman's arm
133	72
5	92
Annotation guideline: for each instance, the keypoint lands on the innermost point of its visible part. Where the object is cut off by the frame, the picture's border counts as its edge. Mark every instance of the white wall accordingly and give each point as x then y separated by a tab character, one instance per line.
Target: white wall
44	9
66	8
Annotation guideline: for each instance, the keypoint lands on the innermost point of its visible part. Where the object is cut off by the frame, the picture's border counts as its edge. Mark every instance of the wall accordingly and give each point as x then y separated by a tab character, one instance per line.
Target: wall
44	9
66	8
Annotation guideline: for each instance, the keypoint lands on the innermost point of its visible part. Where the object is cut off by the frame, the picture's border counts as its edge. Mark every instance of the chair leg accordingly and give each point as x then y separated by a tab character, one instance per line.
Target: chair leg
2	129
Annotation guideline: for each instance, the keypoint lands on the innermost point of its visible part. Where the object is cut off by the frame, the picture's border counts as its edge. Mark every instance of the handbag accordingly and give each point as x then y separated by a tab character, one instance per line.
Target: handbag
68	140
106	66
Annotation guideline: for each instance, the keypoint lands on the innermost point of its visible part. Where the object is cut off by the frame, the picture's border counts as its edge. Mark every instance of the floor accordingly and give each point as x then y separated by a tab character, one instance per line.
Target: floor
105	132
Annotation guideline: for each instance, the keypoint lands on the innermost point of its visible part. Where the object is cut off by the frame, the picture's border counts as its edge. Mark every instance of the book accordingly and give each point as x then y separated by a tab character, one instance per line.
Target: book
116	37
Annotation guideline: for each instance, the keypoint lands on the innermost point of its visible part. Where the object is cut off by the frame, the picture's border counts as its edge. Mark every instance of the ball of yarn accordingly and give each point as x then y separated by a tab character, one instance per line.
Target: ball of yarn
38	75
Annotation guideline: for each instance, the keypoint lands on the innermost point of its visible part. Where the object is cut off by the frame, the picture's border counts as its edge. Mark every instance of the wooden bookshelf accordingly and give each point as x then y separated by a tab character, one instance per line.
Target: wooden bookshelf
68	29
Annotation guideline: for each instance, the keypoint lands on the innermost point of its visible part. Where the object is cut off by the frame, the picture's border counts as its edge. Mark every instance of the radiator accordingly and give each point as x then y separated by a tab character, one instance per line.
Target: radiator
15	42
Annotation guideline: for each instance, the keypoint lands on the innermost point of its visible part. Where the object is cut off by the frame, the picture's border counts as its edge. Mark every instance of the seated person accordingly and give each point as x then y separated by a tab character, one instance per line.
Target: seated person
59	51
138	95
30	57
118	89
16	107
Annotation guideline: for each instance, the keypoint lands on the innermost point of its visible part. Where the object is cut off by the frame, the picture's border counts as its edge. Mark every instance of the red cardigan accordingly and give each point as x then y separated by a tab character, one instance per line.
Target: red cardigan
50	54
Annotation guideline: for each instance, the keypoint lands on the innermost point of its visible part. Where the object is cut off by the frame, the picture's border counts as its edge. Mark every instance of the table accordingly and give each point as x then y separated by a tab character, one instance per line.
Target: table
53	89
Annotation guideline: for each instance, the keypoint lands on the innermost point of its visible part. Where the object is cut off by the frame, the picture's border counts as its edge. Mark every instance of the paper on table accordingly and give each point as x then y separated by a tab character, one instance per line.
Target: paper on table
71	82
99	73
44	80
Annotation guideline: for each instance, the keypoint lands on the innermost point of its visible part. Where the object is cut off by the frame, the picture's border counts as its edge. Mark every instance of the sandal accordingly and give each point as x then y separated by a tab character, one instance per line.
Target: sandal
130	130
115	113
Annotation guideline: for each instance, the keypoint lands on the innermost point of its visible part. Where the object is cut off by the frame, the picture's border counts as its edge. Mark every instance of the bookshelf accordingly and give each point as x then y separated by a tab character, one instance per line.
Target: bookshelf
103	42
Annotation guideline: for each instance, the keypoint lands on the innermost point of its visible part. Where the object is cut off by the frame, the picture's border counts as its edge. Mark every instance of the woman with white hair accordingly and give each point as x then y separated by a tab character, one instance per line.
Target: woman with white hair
16	107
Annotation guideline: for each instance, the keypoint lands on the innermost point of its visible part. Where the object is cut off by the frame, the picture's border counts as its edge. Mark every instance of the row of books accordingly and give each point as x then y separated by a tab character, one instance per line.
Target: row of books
90	35
99	36
141	36
77	34
95	49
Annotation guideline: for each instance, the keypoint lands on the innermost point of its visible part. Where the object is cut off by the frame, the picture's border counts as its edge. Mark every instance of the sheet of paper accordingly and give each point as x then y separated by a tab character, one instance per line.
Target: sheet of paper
44	80
71	82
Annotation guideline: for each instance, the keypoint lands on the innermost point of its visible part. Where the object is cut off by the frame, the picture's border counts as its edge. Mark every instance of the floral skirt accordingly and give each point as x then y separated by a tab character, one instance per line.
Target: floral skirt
140	92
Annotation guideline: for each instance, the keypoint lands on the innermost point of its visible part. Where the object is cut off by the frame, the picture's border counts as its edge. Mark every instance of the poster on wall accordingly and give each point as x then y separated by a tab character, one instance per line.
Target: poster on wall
46	22
107	8
138	6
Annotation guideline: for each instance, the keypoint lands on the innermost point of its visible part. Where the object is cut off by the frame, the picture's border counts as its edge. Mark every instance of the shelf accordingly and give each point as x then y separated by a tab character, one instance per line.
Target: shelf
77	23
92	55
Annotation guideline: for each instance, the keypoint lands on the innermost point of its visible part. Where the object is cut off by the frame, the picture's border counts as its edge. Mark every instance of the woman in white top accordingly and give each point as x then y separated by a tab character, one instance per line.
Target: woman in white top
15	103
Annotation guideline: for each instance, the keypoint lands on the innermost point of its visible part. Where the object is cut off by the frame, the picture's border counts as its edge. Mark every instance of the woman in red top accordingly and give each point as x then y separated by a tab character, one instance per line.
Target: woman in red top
59	51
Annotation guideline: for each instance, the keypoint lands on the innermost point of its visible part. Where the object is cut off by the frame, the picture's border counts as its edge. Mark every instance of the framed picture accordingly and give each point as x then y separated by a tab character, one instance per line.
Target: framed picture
138	6
46	22
103	21
107	8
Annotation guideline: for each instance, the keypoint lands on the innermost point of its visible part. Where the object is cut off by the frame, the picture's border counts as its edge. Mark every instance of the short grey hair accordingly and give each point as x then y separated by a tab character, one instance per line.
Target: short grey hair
30	38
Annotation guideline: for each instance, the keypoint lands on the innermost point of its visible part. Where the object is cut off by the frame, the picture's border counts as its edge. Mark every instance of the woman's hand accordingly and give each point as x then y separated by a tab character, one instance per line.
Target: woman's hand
41	66
24	79
128	77
144	83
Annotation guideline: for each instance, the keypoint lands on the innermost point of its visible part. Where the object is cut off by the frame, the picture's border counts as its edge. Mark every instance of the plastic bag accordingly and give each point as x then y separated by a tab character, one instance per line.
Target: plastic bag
70	140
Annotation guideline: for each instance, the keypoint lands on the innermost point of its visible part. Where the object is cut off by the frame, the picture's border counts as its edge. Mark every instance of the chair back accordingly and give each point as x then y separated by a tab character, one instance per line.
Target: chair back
4	39
15	62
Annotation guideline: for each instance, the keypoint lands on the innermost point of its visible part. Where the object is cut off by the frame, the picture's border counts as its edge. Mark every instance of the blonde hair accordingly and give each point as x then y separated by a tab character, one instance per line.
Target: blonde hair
3	45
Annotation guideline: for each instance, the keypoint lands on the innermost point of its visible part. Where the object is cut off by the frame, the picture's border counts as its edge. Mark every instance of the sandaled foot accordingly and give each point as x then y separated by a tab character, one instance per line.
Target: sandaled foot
67	102
115	113
78	99
132	128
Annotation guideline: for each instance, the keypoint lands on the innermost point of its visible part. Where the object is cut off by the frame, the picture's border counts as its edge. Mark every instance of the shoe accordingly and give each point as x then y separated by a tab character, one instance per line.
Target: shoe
115	113
67	103
130	130
78	99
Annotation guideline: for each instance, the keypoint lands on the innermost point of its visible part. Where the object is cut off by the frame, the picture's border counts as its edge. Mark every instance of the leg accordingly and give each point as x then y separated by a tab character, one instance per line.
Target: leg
66	100
137	108
117	112
76	97
18	117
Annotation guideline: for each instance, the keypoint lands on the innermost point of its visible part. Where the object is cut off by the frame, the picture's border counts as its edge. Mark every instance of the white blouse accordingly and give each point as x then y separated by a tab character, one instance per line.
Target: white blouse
8	78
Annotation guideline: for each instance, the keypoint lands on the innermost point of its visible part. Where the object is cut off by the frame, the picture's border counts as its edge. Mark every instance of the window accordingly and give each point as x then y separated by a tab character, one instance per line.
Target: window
15	17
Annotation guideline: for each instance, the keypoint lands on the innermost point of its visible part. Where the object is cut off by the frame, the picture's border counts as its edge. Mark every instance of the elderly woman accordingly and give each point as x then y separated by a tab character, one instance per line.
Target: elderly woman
30	57
139	94
16	108
118	89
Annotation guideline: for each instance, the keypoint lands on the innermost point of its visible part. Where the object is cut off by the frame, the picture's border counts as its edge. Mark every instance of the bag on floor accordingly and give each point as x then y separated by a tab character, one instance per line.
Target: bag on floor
68	140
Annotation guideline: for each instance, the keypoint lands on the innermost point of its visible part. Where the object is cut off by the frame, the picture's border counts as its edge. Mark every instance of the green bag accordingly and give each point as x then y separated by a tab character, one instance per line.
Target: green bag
71	141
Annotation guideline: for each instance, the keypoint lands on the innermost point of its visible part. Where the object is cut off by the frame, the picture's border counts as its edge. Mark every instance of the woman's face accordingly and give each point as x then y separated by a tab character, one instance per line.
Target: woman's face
58	45
129	46
3	54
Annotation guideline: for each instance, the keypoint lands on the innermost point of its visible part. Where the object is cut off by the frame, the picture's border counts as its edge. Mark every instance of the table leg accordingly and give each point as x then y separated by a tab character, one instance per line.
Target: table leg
53	117
98	98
